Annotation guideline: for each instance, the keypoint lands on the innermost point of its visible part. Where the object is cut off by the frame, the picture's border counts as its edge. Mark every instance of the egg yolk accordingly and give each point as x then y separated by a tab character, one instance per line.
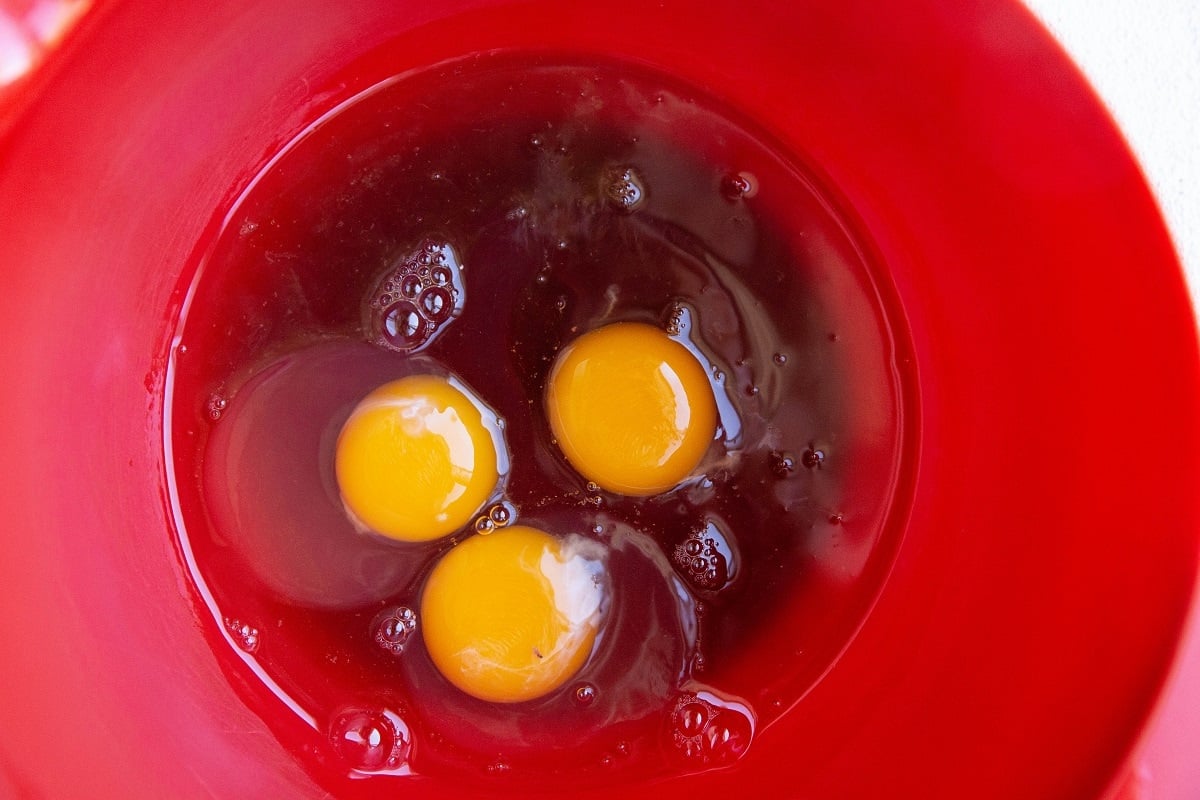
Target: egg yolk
631	408
415	460
512	615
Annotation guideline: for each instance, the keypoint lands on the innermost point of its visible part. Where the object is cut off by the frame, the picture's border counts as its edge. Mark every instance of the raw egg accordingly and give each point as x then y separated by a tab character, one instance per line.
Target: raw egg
512	615
418	457
631	408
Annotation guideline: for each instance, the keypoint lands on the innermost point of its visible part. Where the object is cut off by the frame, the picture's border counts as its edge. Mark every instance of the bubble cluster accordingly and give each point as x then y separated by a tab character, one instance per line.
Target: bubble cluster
416	299
393	628
706	558
370	740
708	731
244	635
216	406
624	188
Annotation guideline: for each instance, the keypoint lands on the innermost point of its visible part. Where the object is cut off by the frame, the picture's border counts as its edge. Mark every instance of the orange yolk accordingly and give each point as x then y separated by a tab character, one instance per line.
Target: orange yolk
631	408
415	460
512	615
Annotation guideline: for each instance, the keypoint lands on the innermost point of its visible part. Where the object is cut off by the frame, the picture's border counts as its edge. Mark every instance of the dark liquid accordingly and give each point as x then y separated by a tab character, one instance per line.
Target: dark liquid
573	196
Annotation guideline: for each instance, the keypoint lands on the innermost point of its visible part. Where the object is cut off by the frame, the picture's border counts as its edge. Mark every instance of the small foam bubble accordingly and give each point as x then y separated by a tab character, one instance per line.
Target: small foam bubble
393	628
484	525
585	694
780	358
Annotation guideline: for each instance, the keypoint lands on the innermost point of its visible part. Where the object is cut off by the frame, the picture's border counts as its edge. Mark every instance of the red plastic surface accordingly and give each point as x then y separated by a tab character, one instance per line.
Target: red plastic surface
1037	601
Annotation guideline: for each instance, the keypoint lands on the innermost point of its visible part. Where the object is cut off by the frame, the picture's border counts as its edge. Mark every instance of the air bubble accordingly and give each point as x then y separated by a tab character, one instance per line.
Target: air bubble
393	628
836	519
440	275
536	140
244	636
403	327
624	188
484	525
592	487
727	739
782	464
500	514
780	358
751	391
436	303
813	458
585	694
691	718
370	741
248	227
738	185
410	286
561	303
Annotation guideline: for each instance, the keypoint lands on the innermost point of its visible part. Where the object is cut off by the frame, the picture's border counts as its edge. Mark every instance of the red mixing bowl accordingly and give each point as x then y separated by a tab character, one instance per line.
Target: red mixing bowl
1035	604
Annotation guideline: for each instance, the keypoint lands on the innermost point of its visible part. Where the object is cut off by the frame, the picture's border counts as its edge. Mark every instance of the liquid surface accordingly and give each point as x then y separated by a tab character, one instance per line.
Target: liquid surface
560	199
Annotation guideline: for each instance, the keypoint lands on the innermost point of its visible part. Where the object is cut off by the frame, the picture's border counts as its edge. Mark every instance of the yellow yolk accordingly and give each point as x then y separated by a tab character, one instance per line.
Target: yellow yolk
415	460
631	408
512	615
